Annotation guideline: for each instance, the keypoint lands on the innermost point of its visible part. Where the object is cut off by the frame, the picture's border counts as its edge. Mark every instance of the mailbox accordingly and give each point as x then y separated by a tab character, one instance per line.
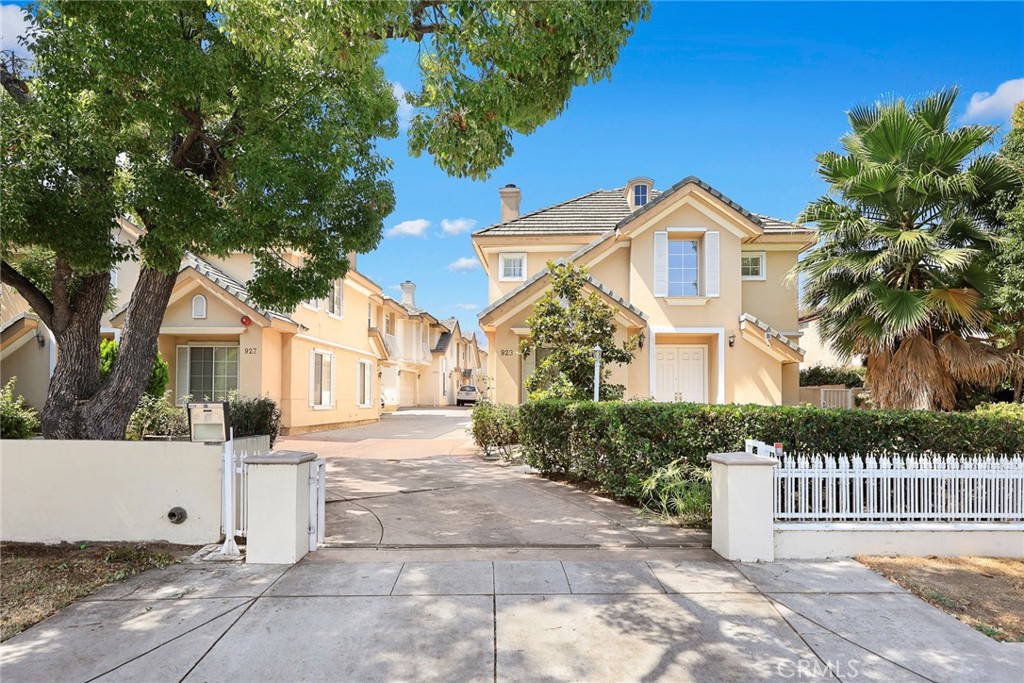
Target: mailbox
209	422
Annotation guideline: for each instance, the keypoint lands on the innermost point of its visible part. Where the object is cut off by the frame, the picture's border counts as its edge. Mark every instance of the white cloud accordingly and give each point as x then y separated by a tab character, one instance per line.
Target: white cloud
405	110
997	106
466	307
395	288
457	226
12	26
417	227
463	265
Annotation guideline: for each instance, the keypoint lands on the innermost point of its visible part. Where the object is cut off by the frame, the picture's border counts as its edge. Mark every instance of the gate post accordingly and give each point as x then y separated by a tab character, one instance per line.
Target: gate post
278	507
743	506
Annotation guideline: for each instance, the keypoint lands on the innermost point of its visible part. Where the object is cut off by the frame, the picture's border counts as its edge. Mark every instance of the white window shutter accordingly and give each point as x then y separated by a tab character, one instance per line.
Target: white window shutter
712	264
339	299
661	263
312	377
181	369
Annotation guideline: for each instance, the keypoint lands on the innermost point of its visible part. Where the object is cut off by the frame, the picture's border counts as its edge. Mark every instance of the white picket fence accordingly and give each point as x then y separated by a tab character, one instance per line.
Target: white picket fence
894	488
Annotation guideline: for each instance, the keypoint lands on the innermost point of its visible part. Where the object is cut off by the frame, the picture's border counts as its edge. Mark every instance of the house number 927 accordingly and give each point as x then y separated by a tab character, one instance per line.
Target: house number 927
250	350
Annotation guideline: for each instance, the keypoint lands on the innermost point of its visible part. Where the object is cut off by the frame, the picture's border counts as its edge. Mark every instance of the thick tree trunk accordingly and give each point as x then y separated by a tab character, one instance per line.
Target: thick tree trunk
107	413
75	324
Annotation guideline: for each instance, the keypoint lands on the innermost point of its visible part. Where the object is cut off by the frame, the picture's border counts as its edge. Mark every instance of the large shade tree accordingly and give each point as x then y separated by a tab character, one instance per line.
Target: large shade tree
898	274
232	125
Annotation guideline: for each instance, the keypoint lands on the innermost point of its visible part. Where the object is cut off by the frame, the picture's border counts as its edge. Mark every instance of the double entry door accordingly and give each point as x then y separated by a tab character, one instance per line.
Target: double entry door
681	373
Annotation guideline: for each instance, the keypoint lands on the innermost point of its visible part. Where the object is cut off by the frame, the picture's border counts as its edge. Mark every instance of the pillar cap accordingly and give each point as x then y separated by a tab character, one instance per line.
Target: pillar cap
281	458
742	458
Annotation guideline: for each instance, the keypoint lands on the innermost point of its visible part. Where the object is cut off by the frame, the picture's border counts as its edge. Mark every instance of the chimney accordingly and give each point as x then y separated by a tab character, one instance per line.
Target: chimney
510	198
408	293
351	256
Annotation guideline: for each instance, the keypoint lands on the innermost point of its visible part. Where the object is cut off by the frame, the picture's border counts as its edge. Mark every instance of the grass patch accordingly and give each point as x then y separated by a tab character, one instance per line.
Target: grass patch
39	580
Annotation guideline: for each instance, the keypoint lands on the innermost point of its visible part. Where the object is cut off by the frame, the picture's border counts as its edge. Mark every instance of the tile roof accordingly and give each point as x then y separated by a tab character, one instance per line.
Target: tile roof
603	211
590	279
589	214
442	342
770	331
222	280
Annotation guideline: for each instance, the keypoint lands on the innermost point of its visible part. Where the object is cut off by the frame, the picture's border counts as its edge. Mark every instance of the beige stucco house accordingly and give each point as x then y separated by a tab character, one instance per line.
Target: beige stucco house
699	277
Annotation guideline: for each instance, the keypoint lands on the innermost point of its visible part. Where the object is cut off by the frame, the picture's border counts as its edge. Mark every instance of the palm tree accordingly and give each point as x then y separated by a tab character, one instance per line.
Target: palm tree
896	272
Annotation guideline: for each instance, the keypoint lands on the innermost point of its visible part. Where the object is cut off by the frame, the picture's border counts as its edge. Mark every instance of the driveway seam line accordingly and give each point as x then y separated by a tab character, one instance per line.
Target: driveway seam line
568	583
494	612
397	577
647	563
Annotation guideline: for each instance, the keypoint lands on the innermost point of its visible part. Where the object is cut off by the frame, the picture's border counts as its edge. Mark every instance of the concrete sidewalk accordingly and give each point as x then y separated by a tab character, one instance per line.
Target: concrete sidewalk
507	615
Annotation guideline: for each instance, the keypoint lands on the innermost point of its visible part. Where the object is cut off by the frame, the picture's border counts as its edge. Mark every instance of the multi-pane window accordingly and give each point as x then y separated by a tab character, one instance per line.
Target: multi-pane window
752	266
639	195
336	299
683	268
512	267
363	383
207	373
321	391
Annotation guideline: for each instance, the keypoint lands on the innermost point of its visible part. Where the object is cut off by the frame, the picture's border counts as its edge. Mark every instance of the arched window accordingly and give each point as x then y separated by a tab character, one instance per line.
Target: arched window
639	195
199	306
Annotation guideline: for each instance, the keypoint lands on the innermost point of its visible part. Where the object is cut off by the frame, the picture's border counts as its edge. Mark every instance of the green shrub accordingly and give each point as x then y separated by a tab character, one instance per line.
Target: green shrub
495	427
682	490
819	375
17	420
159	376
618	446
154	416
259	416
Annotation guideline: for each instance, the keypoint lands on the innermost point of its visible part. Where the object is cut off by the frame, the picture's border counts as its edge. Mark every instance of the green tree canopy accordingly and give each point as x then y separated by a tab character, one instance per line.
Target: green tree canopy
237	126
567	323
897	274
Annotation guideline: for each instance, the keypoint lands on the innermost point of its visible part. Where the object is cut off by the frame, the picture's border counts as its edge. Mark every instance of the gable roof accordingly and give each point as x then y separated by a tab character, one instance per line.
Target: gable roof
222	280
604	211
596	284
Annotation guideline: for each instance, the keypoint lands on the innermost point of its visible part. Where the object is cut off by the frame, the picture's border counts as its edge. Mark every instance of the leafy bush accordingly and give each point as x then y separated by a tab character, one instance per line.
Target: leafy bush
682	490
618	446
255	416
819	375
17	420
154	416
159	376
495	427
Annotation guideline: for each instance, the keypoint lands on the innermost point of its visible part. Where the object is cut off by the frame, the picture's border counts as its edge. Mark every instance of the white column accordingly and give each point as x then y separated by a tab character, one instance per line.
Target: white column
279	507
742	506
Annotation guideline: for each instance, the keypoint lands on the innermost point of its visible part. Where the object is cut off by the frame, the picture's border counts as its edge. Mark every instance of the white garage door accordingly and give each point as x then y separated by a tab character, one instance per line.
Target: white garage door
407	389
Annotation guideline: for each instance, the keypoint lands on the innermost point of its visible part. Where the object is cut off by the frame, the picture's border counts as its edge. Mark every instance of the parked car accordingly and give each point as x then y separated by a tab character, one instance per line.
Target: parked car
467	394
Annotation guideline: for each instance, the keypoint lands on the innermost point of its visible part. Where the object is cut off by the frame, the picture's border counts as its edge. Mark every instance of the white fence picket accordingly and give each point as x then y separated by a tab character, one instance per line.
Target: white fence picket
892	488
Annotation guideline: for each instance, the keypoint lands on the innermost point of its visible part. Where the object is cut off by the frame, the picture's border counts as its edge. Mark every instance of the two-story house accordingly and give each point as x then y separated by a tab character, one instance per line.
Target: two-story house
319	362
698	278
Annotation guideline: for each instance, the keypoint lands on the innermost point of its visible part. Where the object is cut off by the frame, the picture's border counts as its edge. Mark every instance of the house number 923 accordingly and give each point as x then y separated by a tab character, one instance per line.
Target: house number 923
508	352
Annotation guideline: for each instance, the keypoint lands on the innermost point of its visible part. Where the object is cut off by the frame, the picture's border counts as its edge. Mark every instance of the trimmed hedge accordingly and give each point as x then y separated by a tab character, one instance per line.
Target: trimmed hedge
618	445
495	427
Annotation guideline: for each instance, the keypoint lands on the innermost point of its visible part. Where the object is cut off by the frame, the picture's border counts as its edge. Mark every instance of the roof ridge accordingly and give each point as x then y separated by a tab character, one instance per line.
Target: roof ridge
541	210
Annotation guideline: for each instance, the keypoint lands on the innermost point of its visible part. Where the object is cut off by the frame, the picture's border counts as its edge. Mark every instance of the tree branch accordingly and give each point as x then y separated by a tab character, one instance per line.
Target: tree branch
35	297
16	87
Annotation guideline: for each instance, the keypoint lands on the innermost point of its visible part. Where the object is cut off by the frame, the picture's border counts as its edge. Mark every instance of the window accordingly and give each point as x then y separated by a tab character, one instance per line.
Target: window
336	299
512	267
389	325
683	268
206	373
752	265
639	195
198	306
321	379
364	379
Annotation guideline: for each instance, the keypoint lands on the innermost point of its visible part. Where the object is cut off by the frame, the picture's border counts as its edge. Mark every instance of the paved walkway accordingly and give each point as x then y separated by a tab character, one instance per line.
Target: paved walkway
571	588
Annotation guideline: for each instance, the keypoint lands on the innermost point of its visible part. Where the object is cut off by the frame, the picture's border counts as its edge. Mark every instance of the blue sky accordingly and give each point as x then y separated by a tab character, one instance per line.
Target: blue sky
741	94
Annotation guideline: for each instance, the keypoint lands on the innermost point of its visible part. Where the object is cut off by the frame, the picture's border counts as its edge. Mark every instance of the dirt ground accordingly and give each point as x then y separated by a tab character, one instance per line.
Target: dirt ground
37	580
984	592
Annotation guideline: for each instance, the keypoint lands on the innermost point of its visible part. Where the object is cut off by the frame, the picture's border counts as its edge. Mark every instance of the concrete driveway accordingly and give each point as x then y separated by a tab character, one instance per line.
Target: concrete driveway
414	480
444	568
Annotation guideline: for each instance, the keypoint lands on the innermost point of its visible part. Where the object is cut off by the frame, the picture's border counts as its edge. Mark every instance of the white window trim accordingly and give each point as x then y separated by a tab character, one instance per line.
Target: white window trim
369	384
764	265
333	394
647	195
338	316
502	257
699	239
188	368
206	304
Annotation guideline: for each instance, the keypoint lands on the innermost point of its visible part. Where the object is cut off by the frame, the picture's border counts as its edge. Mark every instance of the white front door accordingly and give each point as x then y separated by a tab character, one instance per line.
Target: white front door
681	373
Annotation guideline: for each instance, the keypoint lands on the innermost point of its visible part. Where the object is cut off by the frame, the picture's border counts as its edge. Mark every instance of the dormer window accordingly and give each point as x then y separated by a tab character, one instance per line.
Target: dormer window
639	195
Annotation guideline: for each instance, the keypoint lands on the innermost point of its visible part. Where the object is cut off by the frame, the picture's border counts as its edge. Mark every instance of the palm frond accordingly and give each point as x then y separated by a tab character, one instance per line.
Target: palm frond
901	311
973	361
934	109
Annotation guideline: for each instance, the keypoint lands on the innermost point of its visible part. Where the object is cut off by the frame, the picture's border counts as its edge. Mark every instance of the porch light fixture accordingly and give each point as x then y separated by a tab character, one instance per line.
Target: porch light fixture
40	339
597	373
732	339
640	341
